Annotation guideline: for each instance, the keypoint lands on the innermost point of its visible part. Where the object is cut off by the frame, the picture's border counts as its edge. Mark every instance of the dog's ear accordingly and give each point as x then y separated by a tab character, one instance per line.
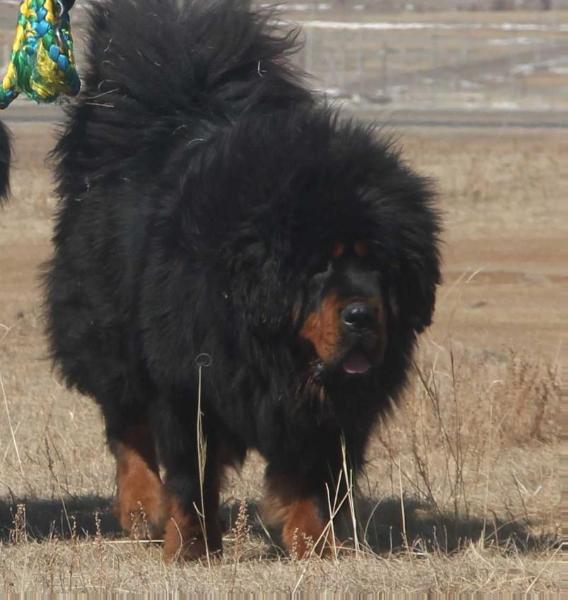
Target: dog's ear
412	292
408	228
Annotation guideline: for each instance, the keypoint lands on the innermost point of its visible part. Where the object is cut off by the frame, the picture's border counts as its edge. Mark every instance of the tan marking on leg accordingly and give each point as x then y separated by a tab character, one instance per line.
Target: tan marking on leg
304	530
184	536
186	531
140	497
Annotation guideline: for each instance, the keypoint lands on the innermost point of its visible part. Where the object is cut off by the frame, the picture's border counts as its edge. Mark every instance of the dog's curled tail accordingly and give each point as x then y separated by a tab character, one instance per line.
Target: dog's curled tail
154	69
167	56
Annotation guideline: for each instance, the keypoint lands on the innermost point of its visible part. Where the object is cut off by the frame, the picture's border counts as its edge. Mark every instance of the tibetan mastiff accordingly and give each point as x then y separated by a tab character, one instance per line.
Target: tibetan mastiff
235	268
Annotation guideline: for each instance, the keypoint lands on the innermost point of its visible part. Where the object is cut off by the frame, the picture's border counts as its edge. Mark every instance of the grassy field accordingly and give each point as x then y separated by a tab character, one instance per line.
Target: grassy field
462	488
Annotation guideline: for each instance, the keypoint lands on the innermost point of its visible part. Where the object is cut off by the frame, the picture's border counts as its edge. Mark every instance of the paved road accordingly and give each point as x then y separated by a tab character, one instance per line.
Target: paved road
23	113
464	119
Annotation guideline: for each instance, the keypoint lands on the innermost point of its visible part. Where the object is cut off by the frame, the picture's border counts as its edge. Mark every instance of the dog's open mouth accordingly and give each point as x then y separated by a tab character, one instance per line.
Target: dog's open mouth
356	363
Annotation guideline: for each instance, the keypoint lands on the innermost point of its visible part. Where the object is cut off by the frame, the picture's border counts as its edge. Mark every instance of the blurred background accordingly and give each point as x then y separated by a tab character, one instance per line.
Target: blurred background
486	61
447	60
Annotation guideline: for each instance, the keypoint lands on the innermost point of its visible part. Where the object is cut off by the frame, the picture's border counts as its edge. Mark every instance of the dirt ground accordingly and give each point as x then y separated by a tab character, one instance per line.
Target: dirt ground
462	488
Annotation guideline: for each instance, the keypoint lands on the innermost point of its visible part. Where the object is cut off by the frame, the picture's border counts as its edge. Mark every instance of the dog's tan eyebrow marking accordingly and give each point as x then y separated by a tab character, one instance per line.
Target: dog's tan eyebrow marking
361	249
338	249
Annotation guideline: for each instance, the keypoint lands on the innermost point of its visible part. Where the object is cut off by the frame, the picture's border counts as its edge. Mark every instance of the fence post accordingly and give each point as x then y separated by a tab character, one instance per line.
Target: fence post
385	70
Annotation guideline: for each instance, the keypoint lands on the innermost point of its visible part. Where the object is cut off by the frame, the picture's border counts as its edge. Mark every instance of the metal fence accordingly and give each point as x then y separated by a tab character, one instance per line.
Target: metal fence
428	64
416	64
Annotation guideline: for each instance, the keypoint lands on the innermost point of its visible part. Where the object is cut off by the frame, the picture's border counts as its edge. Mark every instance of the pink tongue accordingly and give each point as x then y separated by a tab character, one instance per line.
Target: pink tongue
356	363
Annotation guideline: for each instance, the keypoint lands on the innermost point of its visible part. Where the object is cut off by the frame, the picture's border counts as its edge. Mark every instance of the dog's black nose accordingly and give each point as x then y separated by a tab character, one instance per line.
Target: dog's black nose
358	315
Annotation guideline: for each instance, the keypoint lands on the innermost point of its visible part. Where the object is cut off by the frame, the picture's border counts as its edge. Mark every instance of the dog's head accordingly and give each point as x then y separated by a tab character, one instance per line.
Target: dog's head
342	315
366	296
325	242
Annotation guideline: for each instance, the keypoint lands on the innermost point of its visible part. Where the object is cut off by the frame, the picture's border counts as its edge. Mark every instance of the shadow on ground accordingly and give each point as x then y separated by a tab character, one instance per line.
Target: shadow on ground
65	518
381	528
380	524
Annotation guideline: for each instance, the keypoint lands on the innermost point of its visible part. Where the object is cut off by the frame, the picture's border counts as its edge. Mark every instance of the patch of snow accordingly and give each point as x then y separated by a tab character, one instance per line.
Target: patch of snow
505	105
558	70
493	78
516	41
398	90
558	64
300	7
411	26
465	84
525	69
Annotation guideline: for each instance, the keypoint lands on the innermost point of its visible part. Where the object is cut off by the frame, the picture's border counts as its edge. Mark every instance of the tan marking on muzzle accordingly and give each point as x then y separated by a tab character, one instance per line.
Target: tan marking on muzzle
322	327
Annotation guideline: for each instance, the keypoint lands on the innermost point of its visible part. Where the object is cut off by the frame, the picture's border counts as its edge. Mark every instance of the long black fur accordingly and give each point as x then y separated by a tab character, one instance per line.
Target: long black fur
201	186
5	158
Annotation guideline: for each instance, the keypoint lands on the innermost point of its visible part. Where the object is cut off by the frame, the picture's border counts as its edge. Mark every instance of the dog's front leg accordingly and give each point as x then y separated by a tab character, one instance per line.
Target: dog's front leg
301	510
193	478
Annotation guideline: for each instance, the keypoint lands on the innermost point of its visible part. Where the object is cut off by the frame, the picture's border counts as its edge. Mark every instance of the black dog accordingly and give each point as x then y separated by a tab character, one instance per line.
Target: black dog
227	247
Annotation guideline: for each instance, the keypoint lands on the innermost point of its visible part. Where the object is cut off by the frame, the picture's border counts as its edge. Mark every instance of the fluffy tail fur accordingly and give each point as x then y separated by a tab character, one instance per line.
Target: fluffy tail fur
155	68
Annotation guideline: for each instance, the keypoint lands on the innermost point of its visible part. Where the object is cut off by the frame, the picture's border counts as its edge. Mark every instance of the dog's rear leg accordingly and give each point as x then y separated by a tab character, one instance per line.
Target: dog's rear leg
140	502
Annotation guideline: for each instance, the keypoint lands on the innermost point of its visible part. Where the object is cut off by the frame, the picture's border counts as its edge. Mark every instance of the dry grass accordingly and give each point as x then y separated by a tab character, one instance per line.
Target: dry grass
461	492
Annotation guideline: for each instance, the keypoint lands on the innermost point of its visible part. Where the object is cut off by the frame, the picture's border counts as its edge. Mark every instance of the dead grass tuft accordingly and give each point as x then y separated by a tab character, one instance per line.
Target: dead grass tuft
462	416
